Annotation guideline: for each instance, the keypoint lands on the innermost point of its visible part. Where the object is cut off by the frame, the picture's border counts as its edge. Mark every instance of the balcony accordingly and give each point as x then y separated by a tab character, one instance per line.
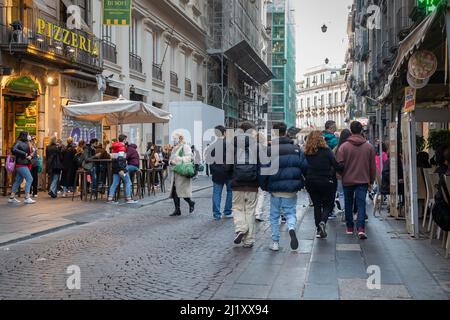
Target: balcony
109	51
157	72
44	41
173	79
135	62
187	85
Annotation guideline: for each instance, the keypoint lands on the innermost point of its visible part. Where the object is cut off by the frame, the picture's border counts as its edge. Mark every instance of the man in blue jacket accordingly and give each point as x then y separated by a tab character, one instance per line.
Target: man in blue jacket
284	185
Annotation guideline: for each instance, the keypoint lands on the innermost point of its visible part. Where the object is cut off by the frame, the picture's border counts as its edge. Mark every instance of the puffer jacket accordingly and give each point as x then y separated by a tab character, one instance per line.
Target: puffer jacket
219	172
292	167
21	151
132	155
331	140
54	158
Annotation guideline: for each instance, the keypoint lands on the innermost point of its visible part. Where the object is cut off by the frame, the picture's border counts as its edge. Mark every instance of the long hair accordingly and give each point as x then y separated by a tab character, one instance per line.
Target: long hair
314	143
345	134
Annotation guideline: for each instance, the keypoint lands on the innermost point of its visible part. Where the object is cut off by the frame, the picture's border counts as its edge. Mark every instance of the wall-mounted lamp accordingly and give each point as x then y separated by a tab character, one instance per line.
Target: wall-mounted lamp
52	81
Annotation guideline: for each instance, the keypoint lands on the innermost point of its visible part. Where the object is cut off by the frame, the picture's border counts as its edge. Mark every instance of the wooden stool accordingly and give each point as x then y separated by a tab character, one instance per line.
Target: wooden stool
81	179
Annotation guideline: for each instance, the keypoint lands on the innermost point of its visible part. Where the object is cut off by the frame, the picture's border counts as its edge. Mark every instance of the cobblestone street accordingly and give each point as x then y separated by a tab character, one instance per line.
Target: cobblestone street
142	253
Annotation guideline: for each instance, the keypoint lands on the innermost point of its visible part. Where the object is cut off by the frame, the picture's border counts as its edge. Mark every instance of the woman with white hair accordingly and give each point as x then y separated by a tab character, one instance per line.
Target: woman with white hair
181	186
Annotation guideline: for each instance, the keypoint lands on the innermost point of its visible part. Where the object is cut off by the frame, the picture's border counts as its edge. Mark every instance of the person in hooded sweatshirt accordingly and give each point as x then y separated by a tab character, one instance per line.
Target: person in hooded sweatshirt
358	158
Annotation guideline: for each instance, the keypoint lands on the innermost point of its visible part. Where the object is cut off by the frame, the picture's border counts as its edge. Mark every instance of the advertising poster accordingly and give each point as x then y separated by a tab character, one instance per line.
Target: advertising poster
25	118
116	12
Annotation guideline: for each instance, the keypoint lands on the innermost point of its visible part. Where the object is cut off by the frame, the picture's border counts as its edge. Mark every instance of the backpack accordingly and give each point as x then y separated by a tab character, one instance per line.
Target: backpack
10	164
441	208
243	170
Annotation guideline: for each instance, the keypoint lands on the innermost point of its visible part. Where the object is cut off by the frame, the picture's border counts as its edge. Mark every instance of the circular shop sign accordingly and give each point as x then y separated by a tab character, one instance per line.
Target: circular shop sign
422	64
417	83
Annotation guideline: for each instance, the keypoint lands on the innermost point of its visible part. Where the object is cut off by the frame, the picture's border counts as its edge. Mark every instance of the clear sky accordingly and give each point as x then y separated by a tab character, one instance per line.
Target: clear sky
313	46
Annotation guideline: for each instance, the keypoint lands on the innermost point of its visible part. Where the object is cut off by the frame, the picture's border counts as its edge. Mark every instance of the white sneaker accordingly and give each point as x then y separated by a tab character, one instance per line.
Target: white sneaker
35	196
275	246
29	201
13	200
132	201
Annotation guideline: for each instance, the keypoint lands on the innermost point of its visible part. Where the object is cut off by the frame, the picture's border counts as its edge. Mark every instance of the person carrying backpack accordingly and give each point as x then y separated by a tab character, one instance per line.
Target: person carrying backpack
23	153
244	183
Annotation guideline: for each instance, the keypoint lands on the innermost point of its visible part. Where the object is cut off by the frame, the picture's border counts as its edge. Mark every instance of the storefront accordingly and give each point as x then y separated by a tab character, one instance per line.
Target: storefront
417	100
51	67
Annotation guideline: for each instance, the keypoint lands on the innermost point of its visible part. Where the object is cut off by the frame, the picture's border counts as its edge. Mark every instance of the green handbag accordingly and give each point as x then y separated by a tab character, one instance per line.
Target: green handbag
185	169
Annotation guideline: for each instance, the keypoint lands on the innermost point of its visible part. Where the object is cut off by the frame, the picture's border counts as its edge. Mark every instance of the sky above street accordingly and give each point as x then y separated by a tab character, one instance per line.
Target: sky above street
314	46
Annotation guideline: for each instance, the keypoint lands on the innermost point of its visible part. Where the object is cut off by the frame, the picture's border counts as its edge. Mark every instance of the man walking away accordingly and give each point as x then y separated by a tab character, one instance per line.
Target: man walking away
329	134
284	185
358	158
216	160
244	183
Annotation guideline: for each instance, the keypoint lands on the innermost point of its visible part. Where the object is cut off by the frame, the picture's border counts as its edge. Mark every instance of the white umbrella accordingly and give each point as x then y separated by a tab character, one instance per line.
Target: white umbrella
118	112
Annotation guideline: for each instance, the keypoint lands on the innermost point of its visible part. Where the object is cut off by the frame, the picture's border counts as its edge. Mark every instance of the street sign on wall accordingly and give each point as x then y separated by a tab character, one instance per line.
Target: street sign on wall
117	12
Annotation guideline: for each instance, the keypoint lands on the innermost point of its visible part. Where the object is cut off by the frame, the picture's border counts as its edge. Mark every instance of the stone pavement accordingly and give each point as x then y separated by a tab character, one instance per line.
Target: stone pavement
19	221
142	253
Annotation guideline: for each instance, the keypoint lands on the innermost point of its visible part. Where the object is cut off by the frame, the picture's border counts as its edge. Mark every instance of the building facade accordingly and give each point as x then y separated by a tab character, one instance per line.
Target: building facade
160	58
321	97
50	66
238	46
283	88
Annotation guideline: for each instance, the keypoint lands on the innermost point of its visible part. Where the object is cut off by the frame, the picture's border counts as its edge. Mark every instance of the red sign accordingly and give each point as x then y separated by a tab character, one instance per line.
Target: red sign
410	99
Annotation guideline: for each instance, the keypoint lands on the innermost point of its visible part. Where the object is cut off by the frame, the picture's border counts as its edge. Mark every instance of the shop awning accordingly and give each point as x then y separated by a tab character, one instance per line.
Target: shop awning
249	61
118	112
407	47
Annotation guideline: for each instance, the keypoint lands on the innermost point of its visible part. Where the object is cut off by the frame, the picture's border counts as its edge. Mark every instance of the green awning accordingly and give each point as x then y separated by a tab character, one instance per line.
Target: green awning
22	84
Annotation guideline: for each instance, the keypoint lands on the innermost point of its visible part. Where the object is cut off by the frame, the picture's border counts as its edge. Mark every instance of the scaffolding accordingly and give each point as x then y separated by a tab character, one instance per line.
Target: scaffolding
229	87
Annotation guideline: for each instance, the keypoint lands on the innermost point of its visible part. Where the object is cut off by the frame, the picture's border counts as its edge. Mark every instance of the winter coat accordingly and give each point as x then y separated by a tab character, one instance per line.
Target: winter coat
182	184
218	167
69	166
133	157
358	158
331	140
323	166
21	150
89	154
54	158
291	169
238	170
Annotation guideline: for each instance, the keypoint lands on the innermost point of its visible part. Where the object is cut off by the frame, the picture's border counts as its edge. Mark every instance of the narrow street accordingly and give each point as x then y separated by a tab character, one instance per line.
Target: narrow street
142	253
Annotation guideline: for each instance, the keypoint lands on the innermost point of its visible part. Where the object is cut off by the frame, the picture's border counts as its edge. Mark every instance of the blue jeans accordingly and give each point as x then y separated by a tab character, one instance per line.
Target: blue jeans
54	183
93	173
289	208
217	199
22	173
132	169
115	184
340	190
358	192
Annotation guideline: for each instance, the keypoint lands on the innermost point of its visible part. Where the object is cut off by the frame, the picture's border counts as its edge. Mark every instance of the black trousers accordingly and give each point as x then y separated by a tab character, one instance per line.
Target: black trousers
35	175
176	199
323	194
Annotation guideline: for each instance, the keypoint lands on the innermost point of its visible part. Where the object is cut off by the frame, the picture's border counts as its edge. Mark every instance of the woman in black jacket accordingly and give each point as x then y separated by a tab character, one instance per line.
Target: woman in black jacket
53	165
69	166
23	153
321	180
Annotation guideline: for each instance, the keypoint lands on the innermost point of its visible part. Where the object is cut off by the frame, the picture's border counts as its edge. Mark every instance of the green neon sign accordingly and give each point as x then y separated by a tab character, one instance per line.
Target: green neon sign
428	5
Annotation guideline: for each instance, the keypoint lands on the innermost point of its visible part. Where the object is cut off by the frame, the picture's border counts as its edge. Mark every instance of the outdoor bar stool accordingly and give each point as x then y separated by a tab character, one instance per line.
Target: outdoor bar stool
81	180
136	184
159	172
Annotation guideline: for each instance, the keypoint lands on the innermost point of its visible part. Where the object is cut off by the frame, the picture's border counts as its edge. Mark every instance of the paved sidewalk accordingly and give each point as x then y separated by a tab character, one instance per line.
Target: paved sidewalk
337	268
19	222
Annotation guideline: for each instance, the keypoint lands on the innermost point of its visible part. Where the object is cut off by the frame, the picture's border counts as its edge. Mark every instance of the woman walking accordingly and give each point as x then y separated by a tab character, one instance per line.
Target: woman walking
321	179
69	166
181	186
23	153
345	134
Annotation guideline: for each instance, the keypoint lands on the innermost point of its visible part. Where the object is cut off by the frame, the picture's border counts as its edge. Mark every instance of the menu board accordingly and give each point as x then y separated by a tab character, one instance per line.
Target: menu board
25	118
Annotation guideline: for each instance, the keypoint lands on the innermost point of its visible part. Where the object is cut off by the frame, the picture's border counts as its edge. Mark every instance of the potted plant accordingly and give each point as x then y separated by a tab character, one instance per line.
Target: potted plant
438	138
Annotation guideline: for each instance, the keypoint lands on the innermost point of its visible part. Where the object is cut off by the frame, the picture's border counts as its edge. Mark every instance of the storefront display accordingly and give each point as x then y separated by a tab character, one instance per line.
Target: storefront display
25	118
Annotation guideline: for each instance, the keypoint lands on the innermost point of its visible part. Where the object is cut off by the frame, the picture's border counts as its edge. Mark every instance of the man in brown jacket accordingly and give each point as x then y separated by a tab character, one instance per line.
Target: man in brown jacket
358	158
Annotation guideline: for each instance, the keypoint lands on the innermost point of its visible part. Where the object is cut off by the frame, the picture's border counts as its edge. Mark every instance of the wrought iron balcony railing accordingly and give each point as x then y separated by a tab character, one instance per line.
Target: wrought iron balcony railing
135	62
157	72
109	51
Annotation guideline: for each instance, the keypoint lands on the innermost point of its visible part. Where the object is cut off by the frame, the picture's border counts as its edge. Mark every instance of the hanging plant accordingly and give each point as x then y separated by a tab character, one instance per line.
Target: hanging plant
438	138
420	143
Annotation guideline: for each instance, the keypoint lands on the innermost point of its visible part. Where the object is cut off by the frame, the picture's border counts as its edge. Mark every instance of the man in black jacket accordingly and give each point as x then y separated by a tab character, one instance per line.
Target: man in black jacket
216	159
244	182
53	166
284	185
